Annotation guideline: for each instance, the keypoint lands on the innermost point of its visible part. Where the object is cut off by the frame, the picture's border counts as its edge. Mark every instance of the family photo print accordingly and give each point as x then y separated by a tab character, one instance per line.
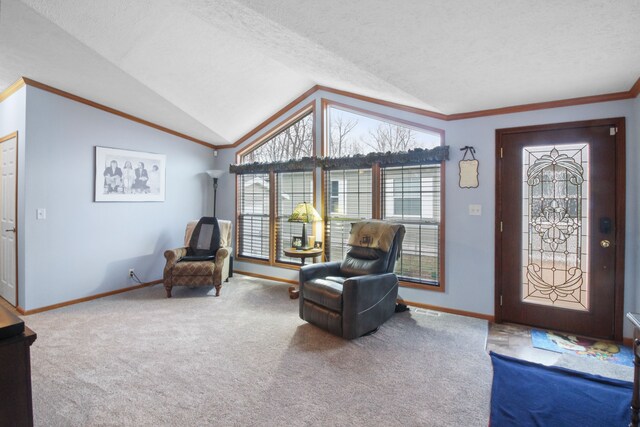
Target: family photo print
129	176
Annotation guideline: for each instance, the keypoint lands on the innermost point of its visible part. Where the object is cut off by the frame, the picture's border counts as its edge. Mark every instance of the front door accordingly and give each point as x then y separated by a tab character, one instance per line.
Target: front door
8	180
560	227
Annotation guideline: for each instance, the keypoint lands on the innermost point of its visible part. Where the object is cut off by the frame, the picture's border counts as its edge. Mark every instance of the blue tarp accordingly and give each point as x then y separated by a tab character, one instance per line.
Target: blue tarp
529	394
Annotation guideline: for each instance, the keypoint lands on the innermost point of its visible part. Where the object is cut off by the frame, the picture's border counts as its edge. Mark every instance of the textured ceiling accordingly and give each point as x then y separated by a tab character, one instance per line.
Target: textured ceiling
215	69
463	56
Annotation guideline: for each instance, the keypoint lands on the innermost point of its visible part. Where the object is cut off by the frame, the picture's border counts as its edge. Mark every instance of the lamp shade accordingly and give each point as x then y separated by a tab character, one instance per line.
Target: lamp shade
215	173
305	212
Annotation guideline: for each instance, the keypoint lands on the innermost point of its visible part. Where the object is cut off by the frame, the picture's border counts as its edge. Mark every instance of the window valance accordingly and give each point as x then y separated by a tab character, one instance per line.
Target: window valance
417	156
304	164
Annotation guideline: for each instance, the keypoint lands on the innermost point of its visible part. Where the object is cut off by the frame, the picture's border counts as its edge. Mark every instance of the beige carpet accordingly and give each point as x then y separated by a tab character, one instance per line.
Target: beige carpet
245	358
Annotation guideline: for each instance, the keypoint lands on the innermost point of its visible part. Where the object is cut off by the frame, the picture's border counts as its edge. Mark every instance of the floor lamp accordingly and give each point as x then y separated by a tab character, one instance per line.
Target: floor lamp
215	174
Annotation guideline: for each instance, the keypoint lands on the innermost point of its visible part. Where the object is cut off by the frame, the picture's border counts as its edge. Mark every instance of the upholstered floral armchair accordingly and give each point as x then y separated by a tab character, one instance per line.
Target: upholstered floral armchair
207	272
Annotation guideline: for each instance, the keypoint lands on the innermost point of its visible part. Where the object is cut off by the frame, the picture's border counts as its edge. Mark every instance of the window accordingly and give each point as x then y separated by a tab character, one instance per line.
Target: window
291	143
353	196
253	218
334	197
265	200
414	192
406	196
351	132
293	188
410	195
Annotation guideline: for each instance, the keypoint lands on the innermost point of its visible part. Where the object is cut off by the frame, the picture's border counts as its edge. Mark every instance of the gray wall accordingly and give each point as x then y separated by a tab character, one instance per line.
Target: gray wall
469	240
13	118
84	248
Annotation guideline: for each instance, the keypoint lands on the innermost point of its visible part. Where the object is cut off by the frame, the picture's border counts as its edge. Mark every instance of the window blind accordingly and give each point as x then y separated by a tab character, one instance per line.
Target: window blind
253	216
411	196
292	188
348	199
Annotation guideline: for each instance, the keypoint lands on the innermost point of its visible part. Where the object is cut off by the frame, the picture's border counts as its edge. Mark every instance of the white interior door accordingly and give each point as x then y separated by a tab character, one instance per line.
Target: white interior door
8	160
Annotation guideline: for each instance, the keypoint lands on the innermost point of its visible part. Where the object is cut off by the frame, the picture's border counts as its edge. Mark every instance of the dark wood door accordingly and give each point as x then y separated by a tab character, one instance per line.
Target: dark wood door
560	227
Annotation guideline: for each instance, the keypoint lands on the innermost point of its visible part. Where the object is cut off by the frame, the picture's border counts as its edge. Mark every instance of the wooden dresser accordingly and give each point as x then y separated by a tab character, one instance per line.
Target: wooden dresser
16	408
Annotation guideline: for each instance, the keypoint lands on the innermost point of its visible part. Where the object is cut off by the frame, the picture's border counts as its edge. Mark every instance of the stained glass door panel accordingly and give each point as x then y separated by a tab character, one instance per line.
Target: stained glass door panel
559	245
555	226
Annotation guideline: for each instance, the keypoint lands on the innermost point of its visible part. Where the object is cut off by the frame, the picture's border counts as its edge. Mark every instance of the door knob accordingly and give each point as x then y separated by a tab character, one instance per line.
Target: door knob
605	243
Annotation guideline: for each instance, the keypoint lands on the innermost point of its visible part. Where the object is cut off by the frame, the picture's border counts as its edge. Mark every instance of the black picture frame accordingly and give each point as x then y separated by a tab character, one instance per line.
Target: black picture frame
296	242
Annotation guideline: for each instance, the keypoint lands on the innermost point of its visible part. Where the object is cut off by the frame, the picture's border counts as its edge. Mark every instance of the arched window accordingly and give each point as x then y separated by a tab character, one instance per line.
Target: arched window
265	200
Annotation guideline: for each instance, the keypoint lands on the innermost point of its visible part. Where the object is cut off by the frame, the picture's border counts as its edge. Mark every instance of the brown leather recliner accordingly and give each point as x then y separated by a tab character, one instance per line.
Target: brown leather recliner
354	297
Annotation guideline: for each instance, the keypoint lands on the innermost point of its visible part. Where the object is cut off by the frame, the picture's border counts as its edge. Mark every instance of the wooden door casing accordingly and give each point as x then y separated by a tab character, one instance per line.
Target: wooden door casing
506	256
8	217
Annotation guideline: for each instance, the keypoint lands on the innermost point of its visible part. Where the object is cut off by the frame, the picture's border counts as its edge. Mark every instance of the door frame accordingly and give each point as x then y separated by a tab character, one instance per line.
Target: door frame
620	180
3	139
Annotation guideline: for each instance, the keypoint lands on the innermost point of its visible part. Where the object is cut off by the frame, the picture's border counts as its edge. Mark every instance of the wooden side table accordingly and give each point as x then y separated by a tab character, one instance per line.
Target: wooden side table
294	292
635	400
311	253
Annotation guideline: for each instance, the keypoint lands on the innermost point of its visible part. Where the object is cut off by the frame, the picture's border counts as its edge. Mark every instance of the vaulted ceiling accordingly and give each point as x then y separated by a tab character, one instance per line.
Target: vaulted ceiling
215	69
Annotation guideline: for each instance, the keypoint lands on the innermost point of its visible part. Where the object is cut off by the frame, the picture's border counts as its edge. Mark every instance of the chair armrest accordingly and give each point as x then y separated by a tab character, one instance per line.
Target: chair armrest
367	302
363	292
173	255
221	254
313	271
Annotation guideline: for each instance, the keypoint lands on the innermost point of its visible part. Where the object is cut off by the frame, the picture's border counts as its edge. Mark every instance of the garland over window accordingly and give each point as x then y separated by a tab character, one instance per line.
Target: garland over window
304	164
417	156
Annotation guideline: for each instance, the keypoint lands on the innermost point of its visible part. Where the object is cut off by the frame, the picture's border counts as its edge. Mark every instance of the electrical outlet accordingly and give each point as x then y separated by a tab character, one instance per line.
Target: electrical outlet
475	210
131	272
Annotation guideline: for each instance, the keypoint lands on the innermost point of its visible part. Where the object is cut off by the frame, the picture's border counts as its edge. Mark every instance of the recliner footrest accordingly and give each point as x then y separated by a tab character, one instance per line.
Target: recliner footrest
323	318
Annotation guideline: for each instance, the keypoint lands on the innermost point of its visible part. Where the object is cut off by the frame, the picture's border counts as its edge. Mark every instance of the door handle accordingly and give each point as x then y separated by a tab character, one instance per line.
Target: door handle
605	243
13	230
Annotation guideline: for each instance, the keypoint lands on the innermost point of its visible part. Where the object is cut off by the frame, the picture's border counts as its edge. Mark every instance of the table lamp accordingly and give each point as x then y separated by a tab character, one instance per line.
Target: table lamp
305	213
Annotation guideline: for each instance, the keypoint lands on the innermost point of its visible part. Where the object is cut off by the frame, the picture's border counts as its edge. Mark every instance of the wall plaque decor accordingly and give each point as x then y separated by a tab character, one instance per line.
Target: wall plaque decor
469	168
129	176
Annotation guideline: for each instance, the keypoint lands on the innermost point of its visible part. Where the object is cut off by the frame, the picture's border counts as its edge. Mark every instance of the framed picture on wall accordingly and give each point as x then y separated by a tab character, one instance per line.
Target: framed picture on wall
129	176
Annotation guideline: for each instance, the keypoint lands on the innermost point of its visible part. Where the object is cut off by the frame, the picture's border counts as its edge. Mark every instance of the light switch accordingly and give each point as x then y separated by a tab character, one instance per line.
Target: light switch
41	213
475	210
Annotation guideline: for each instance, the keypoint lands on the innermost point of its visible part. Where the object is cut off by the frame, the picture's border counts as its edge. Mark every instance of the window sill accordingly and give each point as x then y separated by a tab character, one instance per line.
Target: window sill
241	258
265	262
423	286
